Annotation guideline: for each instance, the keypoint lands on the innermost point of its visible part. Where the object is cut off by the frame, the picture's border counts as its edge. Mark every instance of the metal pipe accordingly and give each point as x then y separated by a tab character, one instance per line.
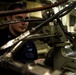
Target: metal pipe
11	12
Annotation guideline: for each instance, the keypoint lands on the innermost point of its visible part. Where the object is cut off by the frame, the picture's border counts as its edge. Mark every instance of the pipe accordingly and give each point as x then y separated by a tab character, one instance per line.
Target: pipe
11	12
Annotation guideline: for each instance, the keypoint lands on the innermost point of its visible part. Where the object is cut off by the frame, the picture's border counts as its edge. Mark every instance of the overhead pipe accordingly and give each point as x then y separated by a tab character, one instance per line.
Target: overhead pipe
11	12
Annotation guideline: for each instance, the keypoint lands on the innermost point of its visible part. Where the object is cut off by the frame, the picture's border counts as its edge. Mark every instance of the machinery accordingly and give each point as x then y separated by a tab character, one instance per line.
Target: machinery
61	57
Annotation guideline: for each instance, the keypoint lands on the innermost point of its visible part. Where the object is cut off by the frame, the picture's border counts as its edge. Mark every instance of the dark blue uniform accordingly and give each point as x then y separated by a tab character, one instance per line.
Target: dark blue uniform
27	53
